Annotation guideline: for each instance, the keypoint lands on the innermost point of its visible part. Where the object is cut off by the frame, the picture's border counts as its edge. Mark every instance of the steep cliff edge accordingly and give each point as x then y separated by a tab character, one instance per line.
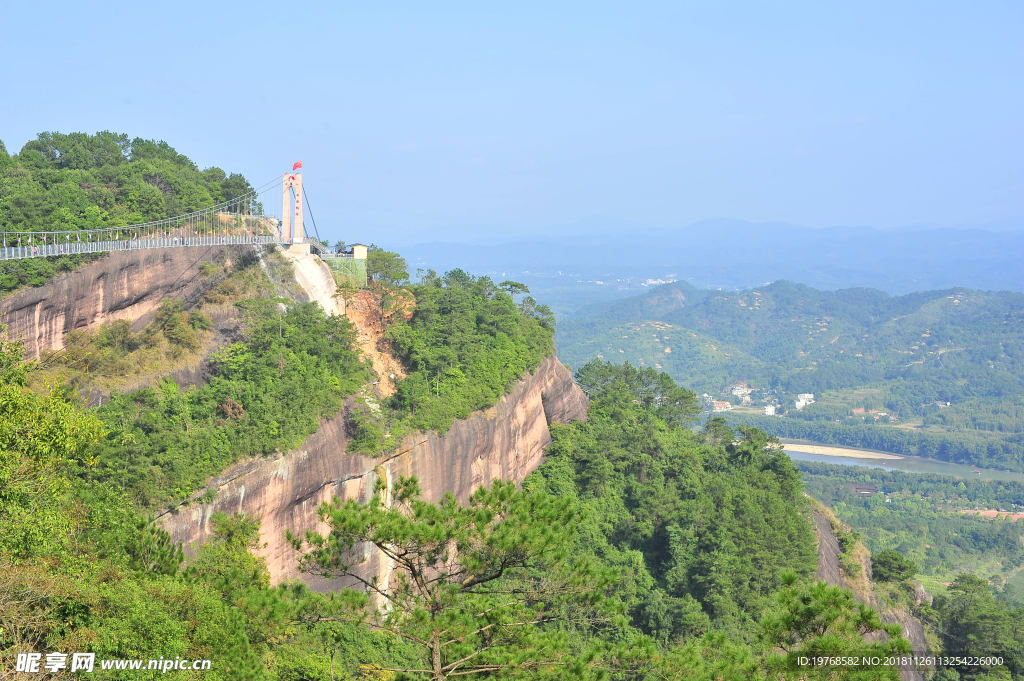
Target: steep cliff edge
505	441
830	571
123	285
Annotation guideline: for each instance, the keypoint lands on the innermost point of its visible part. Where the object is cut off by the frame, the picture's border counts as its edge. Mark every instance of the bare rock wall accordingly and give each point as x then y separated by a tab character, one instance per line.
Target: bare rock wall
829	571
506	441
122	285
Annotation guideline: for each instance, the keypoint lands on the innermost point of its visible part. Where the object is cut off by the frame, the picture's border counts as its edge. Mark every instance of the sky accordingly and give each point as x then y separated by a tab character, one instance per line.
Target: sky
435	121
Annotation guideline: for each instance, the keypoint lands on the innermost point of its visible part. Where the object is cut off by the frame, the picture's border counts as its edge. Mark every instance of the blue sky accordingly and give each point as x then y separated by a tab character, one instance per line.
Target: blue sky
472	120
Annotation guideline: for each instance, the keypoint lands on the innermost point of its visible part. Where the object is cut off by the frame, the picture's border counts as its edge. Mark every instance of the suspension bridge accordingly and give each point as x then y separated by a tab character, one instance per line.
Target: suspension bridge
238	221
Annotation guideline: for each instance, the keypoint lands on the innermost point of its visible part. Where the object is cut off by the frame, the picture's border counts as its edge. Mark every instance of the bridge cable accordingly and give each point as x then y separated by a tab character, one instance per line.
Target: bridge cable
201	221
305	195
199	216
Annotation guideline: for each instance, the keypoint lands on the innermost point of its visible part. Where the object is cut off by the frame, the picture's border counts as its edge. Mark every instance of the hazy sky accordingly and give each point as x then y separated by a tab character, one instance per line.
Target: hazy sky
415	124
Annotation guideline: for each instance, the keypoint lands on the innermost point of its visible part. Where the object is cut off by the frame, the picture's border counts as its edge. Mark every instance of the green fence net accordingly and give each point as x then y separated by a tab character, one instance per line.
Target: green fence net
348	269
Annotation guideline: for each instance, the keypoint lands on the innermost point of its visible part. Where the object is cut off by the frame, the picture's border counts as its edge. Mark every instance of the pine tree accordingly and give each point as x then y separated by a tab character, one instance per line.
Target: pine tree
480	588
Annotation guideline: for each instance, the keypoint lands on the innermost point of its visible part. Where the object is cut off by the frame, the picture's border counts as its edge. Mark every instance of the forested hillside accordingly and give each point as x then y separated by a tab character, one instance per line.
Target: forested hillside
640	550
80	181
701	529
870	359
463	342
287	368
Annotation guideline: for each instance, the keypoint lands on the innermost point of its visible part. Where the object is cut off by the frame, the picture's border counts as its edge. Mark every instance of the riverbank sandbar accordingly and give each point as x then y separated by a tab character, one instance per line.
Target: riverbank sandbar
837	451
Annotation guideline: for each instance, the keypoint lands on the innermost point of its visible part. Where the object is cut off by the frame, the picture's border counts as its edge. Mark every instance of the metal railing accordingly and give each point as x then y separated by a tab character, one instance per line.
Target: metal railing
319	248
77	248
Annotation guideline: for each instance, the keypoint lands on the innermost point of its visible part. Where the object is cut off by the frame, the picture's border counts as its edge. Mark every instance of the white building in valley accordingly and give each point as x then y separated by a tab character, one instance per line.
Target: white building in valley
741	391
803	399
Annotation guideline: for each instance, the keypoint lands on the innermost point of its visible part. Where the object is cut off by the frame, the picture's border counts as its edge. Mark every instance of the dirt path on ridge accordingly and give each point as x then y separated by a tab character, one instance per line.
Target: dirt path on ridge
315	278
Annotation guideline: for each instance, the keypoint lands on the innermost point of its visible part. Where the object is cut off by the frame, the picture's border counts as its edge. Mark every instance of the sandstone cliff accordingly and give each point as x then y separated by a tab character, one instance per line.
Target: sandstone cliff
505	441
122	285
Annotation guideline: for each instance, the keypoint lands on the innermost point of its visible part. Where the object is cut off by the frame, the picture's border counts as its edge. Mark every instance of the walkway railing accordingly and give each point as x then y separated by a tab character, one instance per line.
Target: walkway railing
76	248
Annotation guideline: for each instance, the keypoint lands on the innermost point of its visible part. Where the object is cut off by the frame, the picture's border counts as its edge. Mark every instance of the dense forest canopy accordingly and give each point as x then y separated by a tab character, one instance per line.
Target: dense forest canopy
78	181
467	339
704	528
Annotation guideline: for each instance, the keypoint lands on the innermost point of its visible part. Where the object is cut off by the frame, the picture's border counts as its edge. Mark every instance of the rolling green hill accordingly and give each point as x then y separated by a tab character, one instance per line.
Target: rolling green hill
857	349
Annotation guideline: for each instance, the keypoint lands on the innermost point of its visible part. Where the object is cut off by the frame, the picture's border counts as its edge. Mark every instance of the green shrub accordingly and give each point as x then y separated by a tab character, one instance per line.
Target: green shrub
892	566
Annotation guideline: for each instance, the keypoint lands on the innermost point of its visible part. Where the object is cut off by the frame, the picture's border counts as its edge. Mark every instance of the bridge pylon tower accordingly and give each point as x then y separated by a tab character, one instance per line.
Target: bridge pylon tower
291	211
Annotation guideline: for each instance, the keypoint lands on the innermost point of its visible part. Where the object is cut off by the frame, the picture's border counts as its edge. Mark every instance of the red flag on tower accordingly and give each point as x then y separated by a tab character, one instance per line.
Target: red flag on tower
297	166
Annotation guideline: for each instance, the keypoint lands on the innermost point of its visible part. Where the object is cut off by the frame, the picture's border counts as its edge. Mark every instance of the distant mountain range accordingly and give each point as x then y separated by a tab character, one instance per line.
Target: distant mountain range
568	272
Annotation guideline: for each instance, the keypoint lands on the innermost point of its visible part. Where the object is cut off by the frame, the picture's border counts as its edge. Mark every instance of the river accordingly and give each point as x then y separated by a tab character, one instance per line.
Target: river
847	456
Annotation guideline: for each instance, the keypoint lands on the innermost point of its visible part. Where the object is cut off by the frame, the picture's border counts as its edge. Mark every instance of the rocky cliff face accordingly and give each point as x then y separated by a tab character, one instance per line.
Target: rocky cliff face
829	571
122	285
505	441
